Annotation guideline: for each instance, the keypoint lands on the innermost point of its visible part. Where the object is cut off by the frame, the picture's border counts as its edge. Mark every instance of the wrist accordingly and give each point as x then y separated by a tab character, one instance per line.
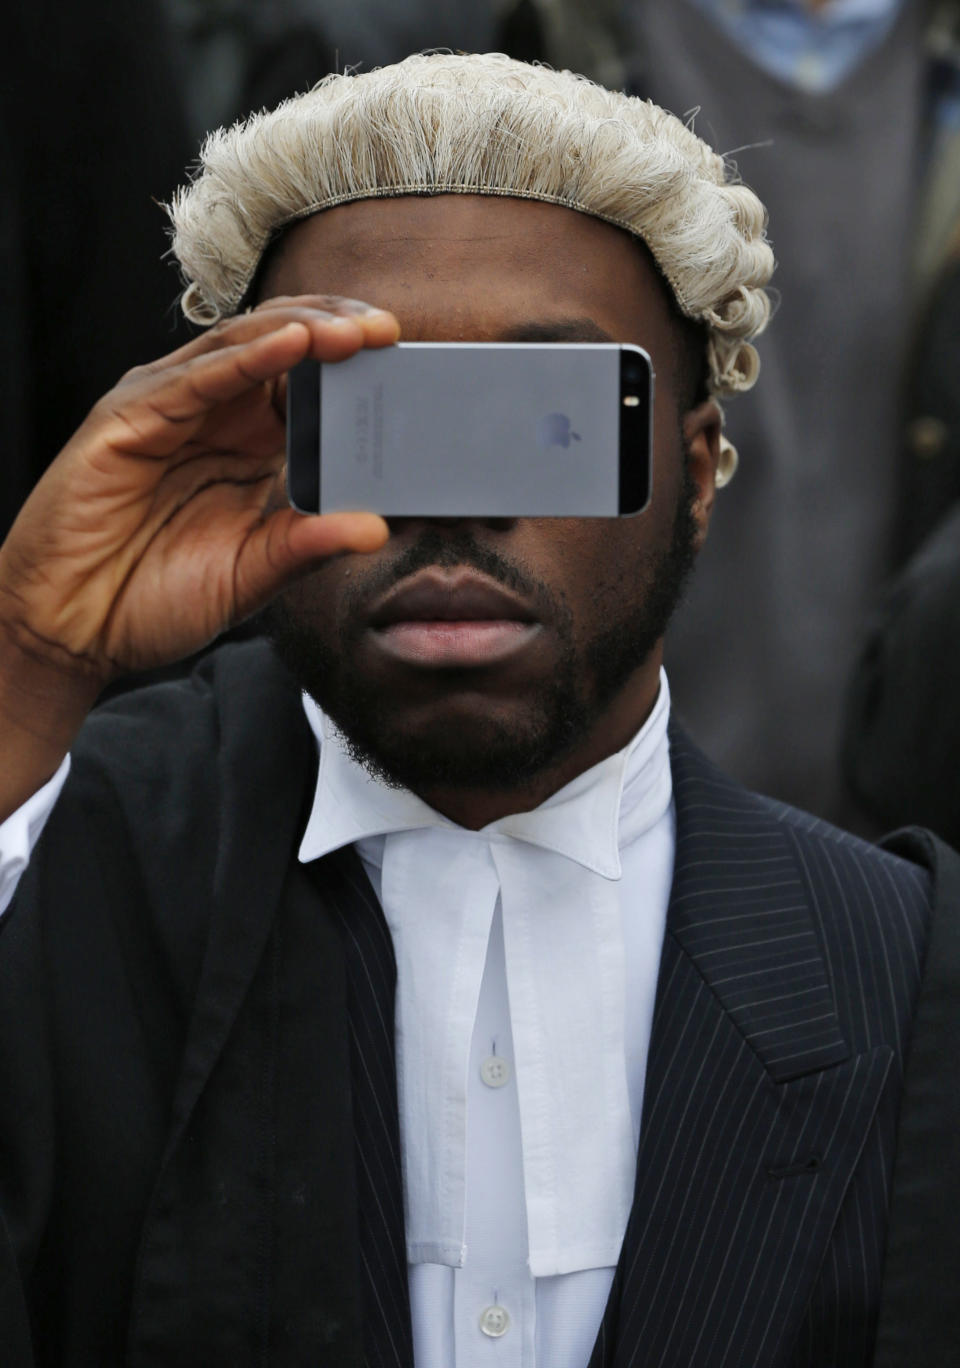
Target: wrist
42	707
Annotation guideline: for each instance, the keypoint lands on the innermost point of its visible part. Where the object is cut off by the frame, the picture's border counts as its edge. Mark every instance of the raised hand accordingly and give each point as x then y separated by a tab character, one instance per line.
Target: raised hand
163	520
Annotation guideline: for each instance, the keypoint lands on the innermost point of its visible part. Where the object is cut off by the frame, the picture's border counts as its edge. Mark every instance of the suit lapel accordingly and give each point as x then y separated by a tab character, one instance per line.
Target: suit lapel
297	1119
263	775
371	973
250	1240
755	1113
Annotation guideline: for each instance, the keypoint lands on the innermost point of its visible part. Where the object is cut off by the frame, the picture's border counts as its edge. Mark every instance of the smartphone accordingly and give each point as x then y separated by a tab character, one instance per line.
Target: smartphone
463	429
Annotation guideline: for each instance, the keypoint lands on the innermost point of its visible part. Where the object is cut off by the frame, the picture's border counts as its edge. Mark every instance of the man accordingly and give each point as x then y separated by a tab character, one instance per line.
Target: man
509	1030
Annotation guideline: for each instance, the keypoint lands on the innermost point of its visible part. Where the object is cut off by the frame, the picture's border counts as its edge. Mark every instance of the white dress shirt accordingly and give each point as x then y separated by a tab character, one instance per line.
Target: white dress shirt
527	960
21	832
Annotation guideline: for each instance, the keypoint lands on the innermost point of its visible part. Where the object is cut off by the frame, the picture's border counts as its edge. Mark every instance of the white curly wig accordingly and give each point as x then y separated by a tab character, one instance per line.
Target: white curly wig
445	123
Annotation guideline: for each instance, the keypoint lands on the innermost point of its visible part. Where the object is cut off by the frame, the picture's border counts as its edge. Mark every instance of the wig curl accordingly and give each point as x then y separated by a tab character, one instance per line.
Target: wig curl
444	123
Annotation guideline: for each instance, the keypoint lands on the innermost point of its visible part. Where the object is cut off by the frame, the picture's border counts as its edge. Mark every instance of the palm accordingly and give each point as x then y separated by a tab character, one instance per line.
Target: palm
188	532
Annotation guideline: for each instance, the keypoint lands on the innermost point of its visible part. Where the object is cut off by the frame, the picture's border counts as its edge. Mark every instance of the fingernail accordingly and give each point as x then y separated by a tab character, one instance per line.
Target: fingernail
358	308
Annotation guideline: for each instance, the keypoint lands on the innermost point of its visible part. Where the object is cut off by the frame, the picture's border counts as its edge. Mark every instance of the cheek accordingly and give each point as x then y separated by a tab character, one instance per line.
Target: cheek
606	562
314	603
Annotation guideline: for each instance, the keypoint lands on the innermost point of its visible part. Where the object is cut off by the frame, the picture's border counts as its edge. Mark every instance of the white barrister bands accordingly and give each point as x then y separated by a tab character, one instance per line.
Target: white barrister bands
554	873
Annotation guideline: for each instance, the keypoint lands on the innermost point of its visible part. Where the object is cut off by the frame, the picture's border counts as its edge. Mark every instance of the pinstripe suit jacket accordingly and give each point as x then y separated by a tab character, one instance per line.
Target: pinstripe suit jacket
199	1159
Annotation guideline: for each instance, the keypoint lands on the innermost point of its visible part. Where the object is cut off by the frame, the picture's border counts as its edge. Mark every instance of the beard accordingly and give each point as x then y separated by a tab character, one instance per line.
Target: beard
488	754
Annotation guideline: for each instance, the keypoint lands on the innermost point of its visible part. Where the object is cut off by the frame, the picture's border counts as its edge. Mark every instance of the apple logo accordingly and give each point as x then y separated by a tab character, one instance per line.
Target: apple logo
554	430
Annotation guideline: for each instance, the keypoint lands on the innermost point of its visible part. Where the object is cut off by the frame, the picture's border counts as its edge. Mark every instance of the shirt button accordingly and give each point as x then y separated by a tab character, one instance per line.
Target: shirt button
809	71
495	1071
494	1321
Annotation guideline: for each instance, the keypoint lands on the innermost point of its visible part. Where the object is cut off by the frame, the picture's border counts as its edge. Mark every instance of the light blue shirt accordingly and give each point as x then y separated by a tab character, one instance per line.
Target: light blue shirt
812	50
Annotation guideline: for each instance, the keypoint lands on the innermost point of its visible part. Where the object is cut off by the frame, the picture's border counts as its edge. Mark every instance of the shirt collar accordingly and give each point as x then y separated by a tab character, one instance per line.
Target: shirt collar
587	820
836	13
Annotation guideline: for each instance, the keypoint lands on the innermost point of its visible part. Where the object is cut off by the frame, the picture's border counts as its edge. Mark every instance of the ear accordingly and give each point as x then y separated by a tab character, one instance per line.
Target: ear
702	427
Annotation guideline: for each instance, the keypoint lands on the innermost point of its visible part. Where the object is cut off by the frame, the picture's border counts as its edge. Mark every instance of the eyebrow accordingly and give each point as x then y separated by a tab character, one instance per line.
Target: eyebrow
556	330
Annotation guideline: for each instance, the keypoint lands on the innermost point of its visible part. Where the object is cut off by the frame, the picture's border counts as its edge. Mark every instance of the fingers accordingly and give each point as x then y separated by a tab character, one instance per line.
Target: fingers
156	412
337	327
289	544
380	327
151	408
329	320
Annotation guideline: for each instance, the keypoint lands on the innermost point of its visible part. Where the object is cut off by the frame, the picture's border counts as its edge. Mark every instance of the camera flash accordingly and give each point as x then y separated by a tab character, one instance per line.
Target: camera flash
631	400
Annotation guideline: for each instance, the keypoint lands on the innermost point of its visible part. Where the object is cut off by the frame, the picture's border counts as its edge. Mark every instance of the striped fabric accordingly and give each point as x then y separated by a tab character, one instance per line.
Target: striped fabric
371	984
787	986
211	1026
789	974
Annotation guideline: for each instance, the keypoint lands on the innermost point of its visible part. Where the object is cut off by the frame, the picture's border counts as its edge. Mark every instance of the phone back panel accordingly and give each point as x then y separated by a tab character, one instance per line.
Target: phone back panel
496	430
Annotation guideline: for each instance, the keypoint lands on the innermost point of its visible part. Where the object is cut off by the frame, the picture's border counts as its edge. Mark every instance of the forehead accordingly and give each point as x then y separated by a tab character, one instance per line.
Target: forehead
478	267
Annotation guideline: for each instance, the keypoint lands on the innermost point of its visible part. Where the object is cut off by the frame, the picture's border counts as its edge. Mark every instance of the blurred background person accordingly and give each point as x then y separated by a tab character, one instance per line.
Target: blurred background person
84	293
844	116
902	737
241	55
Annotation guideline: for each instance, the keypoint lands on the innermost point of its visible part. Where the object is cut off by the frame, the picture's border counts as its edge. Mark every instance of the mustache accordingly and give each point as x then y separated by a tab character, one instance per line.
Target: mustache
445	548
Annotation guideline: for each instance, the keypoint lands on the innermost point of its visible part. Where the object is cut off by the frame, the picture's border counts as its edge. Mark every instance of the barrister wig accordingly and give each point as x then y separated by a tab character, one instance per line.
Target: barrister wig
484	125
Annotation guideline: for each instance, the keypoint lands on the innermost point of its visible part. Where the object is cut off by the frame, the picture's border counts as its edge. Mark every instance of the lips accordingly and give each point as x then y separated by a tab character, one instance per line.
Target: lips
461	596
457	619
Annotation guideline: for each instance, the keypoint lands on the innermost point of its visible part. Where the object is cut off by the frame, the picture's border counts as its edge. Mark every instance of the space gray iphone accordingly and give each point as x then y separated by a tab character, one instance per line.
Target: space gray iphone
462	429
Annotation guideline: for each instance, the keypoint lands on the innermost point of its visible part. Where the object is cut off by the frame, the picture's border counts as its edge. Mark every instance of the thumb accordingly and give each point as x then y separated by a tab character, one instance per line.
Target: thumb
287	544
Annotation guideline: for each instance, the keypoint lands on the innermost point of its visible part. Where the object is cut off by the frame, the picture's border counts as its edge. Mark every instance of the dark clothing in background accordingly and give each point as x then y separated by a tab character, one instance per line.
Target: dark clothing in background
197	1082
930	469
901	742
237	56
801	539
902	737
920	1310
92	135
